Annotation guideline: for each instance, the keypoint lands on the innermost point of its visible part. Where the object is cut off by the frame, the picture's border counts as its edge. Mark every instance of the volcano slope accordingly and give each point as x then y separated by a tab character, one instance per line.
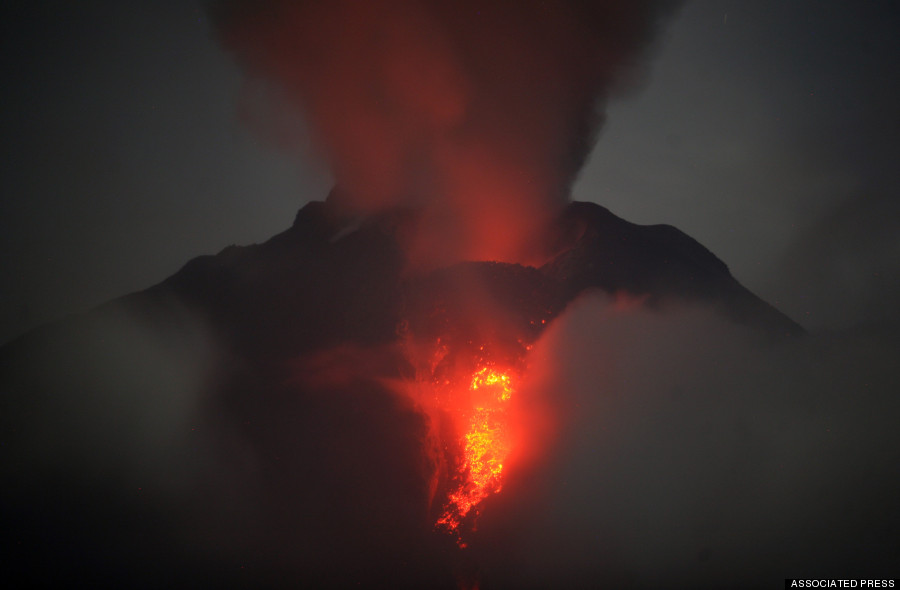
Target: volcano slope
240	422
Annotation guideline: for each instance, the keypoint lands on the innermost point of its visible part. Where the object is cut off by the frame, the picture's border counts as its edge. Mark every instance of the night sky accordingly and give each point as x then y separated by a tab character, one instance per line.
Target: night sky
768	131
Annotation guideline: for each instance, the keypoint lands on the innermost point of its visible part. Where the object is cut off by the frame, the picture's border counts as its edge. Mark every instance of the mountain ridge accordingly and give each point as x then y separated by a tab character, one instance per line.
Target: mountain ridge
258	385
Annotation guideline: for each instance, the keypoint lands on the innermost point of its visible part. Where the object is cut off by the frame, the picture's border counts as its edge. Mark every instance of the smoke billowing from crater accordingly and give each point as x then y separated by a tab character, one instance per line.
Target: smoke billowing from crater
479	113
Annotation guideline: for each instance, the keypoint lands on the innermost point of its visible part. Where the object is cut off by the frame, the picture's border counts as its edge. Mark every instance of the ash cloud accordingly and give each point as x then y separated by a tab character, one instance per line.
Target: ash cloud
101	422
670	448
843	268
483	113
690	452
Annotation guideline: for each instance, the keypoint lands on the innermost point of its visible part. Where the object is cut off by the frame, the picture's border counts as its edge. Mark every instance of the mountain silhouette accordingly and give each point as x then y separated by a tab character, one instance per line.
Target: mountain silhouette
236	424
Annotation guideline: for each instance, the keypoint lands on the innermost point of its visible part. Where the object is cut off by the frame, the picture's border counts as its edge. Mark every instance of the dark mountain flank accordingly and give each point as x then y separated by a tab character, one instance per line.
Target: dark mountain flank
239	423
326	281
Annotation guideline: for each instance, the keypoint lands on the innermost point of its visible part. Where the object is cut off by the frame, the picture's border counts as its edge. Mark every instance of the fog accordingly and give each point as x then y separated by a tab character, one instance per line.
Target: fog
692	452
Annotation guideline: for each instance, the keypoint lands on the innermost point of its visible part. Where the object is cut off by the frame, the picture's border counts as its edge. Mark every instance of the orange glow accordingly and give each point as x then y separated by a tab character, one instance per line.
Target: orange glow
485	444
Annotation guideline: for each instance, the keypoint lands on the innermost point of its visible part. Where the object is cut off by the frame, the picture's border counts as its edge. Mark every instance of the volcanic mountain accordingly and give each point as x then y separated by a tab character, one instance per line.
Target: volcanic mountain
329	280
240	422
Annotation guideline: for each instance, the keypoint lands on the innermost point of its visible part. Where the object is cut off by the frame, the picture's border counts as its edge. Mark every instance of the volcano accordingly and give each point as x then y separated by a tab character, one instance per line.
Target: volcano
292	410
328	280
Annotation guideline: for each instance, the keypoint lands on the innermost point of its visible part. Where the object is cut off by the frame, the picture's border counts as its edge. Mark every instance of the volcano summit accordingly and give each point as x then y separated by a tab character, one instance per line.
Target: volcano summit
306	407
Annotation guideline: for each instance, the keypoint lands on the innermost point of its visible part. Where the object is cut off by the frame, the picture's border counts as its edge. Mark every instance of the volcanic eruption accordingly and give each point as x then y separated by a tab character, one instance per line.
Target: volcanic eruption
476	116
369	387
475	119
479	115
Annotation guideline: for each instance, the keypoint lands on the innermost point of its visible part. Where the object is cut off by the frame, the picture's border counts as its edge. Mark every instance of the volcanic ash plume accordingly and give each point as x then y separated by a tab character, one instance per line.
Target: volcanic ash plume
478	113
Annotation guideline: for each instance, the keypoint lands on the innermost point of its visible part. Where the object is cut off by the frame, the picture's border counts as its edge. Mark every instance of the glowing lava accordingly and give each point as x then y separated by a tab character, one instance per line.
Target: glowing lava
485	447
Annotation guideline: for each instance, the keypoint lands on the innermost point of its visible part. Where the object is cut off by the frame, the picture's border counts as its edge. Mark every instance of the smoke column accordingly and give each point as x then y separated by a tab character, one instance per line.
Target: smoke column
478	114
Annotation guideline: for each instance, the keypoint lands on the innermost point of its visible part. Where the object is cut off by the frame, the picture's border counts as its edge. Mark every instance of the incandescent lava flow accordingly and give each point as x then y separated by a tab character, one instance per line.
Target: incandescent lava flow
485	447
474	118
469	330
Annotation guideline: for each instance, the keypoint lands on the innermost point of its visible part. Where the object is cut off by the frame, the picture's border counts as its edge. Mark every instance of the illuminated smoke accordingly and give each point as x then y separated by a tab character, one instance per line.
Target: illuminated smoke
479	113
478	116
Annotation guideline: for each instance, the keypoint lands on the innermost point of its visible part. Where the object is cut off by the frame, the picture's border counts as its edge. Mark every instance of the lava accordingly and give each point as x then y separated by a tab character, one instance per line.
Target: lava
486	445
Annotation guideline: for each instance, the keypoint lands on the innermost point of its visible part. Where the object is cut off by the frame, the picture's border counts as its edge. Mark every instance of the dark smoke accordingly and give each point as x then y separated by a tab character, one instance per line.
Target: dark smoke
843	269
690	453
482	112
670	448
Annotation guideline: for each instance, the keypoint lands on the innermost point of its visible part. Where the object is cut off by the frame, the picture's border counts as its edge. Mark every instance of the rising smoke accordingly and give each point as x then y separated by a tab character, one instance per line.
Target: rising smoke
482	113
667	448
690	452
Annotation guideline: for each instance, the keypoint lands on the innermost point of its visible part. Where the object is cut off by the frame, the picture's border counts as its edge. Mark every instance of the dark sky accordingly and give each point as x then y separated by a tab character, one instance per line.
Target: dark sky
768	131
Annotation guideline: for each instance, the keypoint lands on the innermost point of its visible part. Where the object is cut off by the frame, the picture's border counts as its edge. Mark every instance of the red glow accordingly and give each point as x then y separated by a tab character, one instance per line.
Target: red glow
486	444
